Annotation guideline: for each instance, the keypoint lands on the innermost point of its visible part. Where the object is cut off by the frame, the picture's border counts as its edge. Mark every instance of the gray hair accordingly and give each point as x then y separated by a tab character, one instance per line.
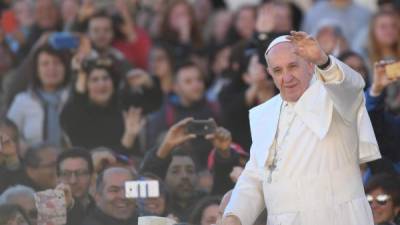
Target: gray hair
15	191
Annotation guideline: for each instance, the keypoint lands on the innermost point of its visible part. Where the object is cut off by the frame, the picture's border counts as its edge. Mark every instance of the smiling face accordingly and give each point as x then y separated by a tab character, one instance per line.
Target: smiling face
51	71
385	211
100	86
291	73
111	198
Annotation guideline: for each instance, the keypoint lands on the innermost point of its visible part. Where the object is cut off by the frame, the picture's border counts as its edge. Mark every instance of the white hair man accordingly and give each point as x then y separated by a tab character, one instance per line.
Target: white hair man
308	142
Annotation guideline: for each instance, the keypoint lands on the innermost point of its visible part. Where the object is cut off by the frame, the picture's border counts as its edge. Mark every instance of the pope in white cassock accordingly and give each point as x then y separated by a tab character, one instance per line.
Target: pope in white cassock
308	142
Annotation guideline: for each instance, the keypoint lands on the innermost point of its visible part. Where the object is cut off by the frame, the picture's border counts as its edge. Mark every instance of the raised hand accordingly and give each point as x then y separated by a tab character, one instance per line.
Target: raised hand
381	80
133	120
308	48
133	124
221	139
175	136
69	200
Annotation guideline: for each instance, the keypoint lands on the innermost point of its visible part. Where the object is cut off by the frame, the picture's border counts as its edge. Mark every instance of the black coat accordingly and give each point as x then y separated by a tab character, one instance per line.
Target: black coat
78	213
90	126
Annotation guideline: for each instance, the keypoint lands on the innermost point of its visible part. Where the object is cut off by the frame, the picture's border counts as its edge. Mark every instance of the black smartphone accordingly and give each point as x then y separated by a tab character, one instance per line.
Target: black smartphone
201	127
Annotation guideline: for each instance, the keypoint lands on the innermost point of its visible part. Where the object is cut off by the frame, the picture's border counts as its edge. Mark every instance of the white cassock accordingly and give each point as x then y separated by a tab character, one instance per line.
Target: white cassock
322	139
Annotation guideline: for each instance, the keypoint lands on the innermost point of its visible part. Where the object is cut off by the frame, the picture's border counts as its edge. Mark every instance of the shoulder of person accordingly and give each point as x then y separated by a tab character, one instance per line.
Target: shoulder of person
264	107
24	97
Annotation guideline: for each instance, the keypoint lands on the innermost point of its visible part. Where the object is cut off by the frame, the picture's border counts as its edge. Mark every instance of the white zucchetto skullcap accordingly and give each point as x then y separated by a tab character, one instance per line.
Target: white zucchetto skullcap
276	41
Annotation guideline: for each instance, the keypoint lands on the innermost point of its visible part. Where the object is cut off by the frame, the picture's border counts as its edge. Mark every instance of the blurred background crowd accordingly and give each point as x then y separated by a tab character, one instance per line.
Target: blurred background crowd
94	93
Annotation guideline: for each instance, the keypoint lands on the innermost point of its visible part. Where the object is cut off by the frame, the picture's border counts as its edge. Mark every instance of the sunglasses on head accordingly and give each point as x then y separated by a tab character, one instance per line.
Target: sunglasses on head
381	199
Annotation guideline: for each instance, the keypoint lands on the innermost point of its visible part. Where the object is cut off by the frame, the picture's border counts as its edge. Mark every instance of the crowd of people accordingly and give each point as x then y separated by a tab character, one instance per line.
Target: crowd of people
95	93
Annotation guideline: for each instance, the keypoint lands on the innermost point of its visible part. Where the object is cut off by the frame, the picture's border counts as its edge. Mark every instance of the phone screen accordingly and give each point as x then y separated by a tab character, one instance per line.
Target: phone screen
142	189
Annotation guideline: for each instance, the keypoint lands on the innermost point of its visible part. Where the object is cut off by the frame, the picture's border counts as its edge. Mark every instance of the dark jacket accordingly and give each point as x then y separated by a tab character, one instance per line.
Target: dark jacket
90	126
386	127
77	214
97	217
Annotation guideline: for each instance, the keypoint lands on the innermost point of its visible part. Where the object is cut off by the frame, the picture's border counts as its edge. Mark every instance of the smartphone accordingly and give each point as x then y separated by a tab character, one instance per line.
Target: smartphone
51	207
64	41
201	127
142	189
393	70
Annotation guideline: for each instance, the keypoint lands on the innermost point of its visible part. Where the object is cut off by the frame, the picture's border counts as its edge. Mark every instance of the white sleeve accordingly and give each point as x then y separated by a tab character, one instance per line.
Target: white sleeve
344	86
247	200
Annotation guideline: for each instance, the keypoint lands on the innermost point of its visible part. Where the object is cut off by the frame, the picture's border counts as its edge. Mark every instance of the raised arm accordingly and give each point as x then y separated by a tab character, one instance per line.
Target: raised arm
343	84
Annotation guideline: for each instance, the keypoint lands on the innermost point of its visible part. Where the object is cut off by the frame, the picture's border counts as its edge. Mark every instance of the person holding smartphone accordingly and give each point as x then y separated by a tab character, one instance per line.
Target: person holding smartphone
173	162
386	123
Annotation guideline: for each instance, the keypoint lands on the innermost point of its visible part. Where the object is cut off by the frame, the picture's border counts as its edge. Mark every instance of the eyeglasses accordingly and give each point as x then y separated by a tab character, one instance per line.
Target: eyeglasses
69	174
380	199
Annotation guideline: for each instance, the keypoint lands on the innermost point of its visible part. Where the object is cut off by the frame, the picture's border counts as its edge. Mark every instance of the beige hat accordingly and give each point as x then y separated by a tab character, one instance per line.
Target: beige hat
155	220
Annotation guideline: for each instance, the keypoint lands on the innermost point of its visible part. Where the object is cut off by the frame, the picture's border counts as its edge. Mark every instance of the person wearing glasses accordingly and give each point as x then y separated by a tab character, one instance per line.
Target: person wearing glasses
75	168
383	194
